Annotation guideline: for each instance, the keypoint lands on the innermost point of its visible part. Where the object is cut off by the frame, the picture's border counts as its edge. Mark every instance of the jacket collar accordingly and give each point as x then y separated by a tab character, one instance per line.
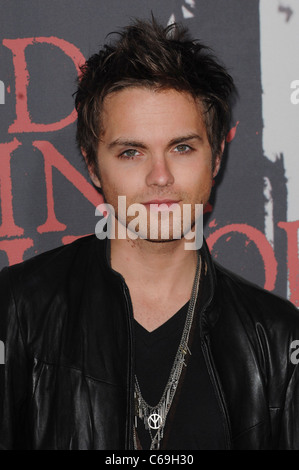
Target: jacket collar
207	301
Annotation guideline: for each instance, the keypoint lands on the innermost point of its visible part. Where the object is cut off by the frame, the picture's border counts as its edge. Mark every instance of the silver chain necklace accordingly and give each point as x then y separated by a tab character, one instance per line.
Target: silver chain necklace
154	417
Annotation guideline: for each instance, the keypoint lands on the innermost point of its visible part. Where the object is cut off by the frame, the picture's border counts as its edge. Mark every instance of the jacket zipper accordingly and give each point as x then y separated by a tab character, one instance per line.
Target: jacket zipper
219	393
130	383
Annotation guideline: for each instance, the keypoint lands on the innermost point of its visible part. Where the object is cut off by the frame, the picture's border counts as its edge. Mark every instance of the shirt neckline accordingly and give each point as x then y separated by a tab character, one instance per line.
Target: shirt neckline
173	324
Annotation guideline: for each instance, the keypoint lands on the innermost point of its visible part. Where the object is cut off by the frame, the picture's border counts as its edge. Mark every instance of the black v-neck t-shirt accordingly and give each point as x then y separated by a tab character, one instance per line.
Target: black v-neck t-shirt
194	419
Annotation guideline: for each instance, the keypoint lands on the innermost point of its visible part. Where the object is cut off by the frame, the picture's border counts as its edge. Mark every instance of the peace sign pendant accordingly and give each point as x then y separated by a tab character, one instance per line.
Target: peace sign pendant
154	421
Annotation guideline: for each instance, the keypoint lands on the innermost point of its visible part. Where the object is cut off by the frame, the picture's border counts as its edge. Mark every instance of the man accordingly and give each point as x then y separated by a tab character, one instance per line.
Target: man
132	342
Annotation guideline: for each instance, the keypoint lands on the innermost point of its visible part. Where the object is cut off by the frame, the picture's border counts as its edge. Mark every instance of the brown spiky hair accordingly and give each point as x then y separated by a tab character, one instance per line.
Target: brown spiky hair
146	54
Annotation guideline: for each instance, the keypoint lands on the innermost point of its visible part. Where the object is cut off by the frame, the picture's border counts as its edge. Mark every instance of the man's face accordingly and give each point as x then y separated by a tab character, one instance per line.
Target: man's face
154	148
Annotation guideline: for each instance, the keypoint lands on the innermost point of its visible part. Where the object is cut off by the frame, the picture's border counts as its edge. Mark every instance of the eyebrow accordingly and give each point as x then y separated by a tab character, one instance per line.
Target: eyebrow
134	143
126	143
185	138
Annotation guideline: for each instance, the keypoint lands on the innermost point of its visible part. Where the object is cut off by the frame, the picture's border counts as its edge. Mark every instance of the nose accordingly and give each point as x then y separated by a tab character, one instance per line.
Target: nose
159	173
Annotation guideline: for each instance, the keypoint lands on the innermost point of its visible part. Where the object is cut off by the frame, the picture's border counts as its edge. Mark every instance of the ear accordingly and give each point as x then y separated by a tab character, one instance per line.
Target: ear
218	159
92	174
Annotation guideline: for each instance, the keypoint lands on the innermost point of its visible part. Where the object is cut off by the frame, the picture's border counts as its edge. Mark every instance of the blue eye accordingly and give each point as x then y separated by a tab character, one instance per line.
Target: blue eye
182	148
130	153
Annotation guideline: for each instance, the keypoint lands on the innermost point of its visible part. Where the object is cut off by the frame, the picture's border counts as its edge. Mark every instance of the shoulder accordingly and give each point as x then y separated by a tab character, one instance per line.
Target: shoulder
43	292
60	260
256	325
251	300
52	275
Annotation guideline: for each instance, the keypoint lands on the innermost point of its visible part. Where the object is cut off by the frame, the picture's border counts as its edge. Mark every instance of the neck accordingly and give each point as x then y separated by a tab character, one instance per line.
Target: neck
156	265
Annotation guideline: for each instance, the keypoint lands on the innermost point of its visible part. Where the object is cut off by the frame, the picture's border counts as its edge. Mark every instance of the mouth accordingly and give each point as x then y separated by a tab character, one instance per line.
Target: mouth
160	204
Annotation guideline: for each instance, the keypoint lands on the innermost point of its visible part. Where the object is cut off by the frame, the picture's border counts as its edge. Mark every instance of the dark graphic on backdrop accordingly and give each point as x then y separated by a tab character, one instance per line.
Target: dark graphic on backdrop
46	197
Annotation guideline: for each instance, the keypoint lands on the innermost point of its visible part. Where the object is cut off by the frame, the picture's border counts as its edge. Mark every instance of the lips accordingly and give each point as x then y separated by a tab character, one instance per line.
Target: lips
156	204
161	201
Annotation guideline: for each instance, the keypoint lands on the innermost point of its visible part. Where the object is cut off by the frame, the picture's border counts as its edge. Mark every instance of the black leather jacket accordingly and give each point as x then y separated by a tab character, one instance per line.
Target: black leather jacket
66	321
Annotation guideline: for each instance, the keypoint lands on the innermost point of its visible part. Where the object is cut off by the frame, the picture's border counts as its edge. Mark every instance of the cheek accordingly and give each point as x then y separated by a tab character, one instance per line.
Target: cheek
201	186
200	177
116	184
123	181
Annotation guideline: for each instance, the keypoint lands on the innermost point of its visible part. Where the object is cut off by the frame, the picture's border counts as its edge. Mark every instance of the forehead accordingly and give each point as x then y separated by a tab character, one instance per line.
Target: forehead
139	110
